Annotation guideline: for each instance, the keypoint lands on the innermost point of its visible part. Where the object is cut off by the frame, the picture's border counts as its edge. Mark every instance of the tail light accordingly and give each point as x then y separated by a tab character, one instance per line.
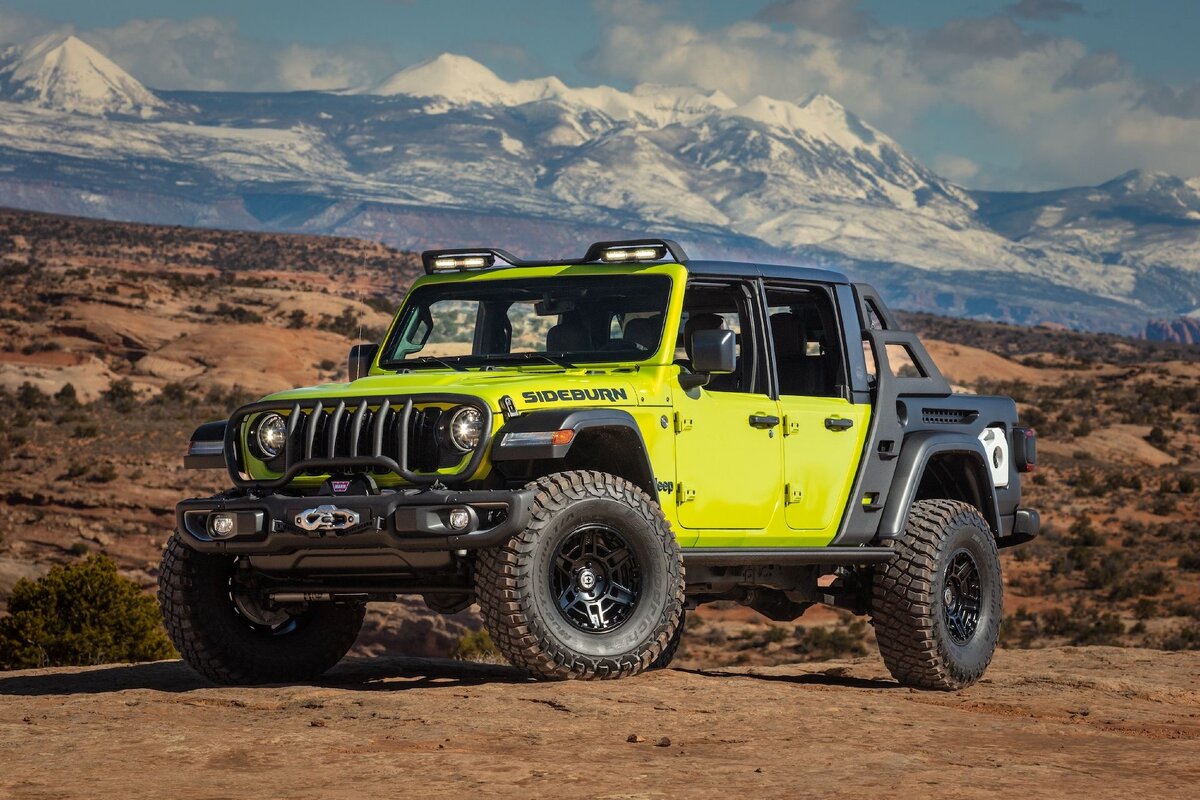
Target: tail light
1024	449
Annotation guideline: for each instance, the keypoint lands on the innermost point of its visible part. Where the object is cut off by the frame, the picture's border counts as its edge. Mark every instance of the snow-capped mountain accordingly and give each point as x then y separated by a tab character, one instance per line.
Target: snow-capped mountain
447	153
67	74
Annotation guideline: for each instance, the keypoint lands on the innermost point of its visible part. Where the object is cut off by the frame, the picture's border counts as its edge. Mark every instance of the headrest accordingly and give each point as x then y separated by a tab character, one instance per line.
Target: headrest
700	322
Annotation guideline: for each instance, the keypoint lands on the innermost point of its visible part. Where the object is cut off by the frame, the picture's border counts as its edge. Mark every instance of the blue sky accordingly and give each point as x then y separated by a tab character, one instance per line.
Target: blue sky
996	94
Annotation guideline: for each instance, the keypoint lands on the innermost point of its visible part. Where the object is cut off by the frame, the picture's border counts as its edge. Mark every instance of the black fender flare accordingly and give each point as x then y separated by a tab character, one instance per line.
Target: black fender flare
915	454
206	450
578	420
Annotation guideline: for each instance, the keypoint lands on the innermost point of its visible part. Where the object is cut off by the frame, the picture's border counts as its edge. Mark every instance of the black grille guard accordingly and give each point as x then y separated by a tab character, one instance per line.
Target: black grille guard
305	454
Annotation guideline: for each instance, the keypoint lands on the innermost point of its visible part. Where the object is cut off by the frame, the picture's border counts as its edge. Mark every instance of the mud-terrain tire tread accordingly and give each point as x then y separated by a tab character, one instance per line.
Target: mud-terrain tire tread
206	645
904	604
668	654
504	587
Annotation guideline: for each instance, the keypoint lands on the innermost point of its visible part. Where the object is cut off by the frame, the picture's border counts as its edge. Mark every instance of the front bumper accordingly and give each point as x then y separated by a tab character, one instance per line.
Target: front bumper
414	521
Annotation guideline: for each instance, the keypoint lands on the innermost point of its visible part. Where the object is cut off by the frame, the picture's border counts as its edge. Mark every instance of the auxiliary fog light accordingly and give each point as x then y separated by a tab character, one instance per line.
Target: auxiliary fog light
460	518
221	525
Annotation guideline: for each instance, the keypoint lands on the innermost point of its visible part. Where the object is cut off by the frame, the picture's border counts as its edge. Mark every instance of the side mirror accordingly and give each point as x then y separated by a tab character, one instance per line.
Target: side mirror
712	352
361	357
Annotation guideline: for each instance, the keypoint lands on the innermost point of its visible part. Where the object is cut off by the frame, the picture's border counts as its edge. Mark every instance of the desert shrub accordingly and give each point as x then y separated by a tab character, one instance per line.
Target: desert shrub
476	646
1162	505
1184	638
121	395
80	614
298	318
1149	583
76	469
774	634
86	430
1190	562
1107	572
1186	485
67	396
105	473
1084	534
237	314
1158	437
1145	609
819	643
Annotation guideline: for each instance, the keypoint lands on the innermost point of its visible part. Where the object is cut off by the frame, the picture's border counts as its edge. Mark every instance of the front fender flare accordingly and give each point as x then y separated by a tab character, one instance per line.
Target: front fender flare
579	421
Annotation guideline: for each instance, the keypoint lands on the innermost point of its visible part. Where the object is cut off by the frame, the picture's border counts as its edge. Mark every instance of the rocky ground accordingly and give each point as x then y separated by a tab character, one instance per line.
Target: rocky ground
1055	723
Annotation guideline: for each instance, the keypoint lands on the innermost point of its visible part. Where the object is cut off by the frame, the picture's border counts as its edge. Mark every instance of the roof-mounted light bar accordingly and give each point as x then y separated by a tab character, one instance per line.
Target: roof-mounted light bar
617	252
461	261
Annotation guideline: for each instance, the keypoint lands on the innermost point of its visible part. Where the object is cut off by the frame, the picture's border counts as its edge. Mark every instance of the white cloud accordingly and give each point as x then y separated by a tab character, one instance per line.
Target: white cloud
1070	115
959	169
209	54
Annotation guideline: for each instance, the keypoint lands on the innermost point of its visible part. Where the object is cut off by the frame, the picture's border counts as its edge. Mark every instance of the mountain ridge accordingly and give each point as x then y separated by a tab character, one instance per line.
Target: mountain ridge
454	153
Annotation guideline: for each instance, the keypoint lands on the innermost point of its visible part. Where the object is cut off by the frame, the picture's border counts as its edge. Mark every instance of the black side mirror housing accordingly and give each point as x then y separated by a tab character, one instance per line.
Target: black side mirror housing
713	352
361	358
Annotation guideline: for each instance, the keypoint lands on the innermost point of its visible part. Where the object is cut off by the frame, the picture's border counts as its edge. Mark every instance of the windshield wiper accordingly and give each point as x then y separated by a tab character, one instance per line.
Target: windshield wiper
441	362
557	361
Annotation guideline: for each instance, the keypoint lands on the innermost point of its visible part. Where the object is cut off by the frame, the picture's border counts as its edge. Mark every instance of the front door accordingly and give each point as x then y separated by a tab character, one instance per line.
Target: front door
823	433
729	456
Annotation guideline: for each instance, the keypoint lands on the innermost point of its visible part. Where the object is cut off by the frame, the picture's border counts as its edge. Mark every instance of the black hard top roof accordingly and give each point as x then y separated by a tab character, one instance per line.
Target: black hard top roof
745	269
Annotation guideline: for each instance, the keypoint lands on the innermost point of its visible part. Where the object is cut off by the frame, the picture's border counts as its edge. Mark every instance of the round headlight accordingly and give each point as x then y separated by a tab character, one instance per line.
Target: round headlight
465	428
271	435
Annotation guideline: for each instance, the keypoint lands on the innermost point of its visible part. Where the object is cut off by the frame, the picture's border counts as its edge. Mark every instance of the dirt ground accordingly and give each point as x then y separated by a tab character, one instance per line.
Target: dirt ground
1067	722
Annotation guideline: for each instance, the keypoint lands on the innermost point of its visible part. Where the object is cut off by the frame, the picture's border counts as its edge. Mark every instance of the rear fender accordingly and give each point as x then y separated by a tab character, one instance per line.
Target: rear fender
916	455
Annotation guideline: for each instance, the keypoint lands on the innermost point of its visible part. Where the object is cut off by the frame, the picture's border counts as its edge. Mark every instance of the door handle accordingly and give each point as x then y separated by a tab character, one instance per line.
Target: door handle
764	420
838	424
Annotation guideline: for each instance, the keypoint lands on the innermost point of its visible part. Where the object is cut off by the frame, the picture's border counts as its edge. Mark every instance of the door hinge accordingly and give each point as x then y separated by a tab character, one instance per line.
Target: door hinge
685	495
790	426
682	423
792	493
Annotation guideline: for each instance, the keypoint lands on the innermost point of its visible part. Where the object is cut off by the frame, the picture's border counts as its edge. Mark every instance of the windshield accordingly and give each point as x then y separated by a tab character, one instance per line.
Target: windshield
560	320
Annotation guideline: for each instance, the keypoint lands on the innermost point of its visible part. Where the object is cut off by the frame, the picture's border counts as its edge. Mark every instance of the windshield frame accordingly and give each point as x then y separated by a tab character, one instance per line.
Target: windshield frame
664	354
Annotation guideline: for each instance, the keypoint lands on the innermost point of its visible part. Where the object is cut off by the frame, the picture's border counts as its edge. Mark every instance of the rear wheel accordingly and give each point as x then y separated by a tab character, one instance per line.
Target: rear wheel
592	588
228	631
937	606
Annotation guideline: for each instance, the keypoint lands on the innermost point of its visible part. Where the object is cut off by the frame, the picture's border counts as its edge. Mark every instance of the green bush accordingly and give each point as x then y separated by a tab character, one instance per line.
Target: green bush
81	614
476	646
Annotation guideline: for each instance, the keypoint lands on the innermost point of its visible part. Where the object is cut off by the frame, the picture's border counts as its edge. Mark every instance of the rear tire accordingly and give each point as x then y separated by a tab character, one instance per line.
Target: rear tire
592	588
937	606
238	642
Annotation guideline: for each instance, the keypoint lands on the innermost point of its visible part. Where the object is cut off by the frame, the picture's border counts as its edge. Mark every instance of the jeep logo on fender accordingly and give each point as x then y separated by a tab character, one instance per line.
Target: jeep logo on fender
563	395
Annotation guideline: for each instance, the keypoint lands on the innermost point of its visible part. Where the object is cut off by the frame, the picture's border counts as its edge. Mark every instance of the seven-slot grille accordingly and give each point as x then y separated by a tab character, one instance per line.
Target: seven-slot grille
366	434
360	429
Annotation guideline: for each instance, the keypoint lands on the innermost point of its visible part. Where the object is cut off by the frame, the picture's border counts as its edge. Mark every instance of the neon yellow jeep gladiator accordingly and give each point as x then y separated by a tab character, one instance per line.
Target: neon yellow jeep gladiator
587	448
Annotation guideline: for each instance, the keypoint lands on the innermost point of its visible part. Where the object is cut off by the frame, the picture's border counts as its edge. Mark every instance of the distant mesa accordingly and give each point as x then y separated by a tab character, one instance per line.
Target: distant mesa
1184	330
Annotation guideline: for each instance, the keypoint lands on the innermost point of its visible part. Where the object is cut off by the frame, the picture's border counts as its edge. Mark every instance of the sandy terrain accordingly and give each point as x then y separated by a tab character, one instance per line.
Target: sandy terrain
1097	722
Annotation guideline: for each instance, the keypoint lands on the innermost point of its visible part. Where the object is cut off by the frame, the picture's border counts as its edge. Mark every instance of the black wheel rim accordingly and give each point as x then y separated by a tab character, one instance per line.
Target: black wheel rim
596	579
961	593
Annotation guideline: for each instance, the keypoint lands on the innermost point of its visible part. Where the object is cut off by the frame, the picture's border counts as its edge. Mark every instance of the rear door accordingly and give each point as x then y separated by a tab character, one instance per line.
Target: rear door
729	457
823	432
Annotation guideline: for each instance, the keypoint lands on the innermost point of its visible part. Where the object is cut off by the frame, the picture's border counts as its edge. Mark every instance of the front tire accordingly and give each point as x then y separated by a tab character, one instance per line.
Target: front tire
937	606
229	637
592	588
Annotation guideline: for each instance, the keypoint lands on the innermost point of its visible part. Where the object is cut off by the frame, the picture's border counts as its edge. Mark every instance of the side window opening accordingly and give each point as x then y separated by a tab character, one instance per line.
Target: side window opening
717	307
806	342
